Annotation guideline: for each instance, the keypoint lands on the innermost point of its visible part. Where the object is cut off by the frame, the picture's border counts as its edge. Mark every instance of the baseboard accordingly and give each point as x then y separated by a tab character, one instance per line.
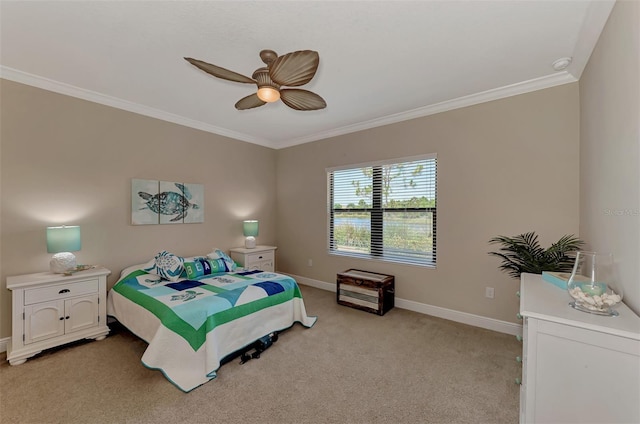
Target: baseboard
314	283
436	311
3	344
423	308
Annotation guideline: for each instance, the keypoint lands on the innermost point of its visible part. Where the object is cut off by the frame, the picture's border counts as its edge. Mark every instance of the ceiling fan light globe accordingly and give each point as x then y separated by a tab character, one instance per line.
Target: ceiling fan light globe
268	94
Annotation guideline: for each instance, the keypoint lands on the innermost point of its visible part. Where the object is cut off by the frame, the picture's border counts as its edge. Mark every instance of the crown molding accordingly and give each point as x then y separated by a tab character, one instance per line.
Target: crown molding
549	81
92	96
536	84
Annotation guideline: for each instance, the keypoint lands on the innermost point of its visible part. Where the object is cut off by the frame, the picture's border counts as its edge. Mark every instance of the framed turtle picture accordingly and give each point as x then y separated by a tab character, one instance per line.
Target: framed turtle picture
164	202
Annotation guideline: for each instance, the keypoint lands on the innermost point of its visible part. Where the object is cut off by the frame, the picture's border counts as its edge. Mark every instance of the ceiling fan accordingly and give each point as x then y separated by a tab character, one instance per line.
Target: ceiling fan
289	70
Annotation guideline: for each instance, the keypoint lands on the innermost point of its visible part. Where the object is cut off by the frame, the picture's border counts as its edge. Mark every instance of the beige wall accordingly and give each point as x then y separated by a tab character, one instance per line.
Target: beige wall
504	167
69	161
610	146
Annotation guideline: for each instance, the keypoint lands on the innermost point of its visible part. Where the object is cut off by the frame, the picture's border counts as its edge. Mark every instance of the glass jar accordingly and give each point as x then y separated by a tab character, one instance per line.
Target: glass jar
593	286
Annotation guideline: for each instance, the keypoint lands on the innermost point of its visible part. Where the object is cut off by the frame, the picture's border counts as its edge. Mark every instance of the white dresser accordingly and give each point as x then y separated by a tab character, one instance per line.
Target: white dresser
52	309
260	257
576	367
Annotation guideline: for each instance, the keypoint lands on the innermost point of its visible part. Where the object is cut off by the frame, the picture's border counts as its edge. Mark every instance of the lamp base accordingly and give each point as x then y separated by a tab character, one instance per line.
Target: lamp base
62	262
250	242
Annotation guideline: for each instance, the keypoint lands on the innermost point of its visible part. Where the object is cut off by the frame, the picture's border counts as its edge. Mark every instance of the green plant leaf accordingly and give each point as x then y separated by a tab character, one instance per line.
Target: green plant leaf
523	253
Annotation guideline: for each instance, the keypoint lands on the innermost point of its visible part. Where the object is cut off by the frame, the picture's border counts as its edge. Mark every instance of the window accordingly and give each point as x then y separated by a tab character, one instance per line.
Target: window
384	210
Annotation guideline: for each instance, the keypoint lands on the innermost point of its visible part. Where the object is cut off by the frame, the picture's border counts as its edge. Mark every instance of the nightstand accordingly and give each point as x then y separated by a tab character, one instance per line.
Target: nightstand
50	309
260	257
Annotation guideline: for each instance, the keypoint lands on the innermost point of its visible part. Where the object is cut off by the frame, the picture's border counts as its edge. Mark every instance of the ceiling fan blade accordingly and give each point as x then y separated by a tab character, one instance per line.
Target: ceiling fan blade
294	69
219	72
249	102
299	99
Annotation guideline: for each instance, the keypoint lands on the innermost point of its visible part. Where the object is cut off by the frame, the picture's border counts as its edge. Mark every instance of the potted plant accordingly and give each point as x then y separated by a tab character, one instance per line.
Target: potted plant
523	253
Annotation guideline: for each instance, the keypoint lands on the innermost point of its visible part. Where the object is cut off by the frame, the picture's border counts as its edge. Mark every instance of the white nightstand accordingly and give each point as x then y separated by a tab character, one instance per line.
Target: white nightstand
52	309
260	257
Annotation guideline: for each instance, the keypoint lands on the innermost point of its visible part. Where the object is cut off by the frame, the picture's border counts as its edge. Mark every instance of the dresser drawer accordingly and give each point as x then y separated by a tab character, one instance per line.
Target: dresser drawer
60	291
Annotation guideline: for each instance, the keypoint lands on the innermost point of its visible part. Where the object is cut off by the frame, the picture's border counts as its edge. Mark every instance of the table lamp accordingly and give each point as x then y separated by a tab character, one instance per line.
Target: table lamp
62	241
250	229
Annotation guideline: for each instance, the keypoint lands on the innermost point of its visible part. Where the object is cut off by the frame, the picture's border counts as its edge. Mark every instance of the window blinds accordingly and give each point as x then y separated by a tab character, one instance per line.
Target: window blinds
384	210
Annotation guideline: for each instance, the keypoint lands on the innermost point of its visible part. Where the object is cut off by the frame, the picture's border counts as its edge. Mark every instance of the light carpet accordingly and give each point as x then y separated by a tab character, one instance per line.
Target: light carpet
351	367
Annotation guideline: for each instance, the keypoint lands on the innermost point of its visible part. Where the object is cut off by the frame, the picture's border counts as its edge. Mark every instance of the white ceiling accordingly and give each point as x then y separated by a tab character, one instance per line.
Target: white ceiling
380	61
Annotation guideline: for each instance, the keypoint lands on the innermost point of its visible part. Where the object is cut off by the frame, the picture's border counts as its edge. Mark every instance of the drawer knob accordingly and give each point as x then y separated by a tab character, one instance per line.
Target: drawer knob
518	315
66	317
519	337
61	318
518	381
64	291
518	293
518	358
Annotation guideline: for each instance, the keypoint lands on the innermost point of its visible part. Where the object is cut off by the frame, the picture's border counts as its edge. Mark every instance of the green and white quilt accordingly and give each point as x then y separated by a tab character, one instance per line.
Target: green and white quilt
192	324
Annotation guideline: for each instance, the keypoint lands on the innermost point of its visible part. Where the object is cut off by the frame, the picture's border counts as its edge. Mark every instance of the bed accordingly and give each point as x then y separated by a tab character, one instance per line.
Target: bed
194	314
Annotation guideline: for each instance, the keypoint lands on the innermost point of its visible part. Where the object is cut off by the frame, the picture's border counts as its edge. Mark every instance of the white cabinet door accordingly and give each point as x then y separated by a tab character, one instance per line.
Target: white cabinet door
43	321
82	313
56	318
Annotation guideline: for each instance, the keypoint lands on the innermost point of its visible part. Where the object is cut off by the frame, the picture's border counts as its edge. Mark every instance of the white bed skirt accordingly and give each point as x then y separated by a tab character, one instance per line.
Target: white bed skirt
186	368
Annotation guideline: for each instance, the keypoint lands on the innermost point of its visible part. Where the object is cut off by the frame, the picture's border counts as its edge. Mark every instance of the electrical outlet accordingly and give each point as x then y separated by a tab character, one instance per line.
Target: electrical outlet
310	262
489	292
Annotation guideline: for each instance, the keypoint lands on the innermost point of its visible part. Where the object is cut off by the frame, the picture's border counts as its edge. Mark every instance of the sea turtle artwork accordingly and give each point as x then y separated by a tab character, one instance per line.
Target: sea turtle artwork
170	202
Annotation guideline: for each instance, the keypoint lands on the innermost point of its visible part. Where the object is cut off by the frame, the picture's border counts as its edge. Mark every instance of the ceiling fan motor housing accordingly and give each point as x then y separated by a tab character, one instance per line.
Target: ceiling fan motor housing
261	75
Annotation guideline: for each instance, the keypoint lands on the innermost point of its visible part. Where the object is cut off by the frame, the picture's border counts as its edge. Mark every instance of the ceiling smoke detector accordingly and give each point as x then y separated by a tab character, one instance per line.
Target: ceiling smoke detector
561	63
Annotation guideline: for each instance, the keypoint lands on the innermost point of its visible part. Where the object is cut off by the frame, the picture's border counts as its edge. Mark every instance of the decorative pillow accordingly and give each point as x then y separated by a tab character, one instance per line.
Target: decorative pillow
219	254
167	265
204	266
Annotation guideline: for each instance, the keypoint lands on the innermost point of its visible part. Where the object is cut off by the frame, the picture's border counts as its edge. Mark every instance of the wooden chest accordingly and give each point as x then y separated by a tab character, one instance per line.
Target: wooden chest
368	291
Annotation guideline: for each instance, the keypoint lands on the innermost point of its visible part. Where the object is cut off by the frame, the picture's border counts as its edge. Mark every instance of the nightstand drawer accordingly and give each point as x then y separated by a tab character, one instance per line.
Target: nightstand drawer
259	257
61	291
